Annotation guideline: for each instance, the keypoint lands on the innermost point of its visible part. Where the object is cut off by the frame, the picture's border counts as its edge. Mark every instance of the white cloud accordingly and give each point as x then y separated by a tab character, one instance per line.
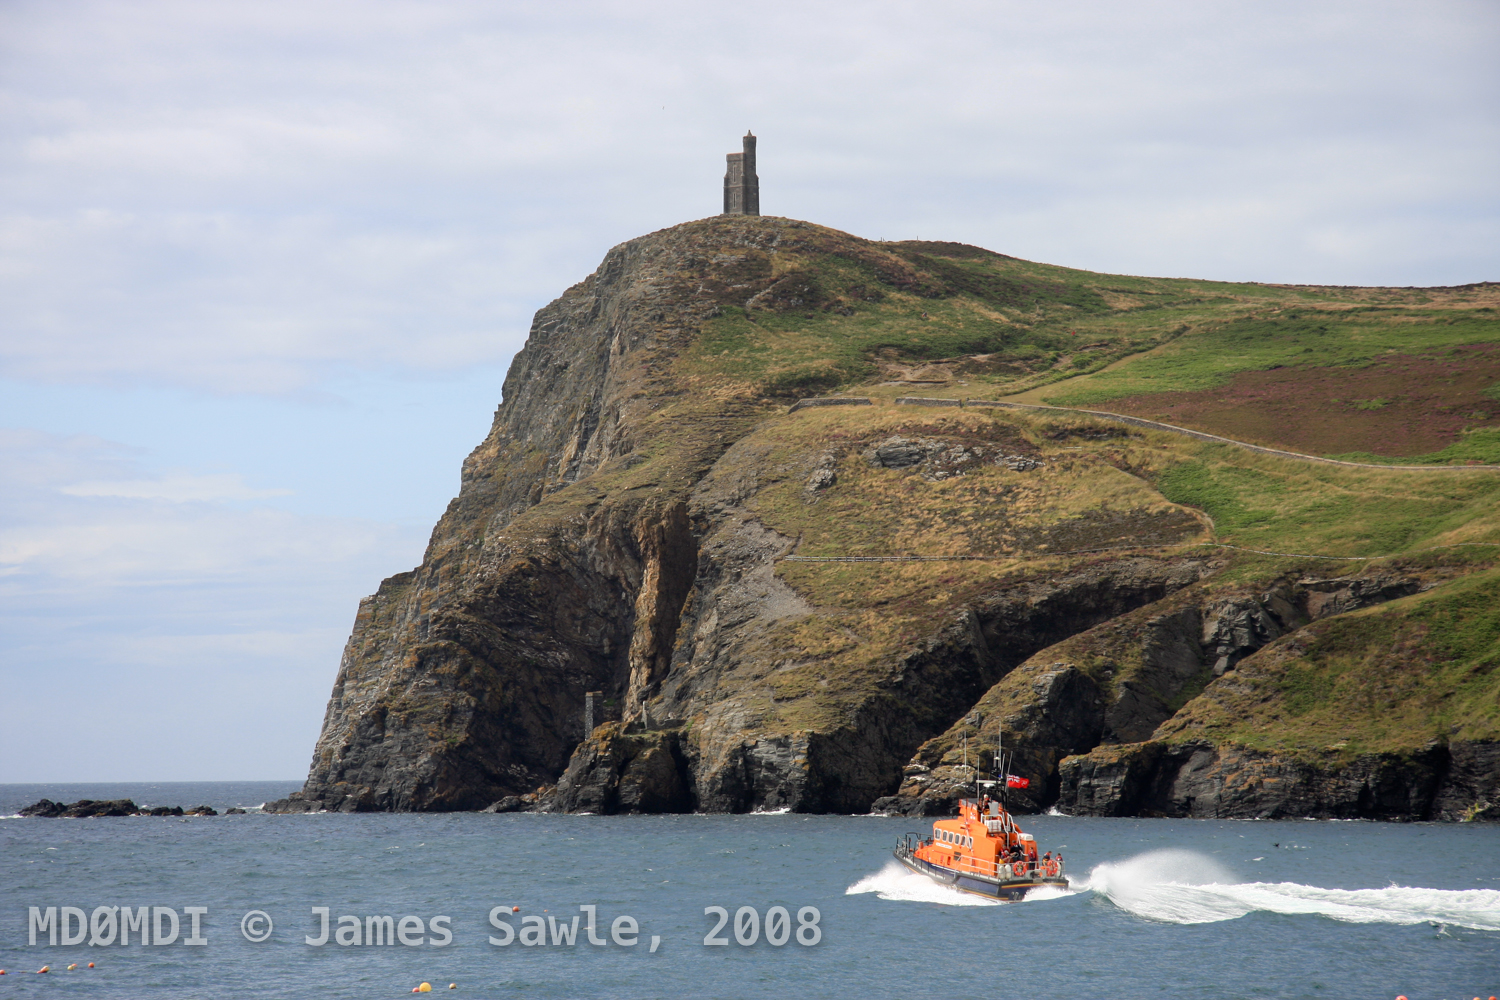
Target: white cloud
179	488
246	197
178	635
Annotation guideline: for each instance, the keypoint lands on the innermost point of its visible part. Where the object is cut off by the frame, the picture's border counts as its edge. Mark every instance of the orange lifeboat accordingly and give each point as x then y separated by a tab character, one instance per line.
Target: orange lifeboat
982	851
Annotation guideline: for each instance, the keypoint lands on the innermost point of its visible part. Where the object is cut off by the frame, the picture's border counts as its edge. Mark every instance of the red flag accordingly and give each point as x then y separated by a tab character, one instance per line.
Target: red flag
1016	781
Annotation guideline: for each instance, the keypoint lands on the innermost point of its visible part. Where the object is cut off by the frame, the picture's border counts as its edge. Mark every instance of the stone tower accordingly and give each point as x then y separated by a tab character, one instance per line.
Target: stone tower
741	186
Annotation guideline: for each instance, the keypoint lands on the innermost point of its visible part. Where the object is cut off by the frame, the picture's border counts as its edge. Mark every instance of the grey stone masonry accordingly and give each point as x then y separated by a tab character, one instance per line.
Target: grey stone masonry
927	401
741	185
830	401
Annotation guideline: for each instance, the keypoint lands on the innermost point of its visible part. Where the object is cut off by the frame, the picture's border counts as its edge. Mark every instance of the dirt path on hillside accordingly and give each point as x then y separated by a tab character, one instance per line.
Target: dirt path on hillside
1173	429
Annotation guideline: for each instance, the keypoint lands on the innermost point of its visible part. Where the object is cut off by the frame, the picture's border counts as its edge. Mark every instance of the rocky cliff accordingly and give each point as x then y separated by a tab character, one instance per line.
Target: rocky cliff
810	608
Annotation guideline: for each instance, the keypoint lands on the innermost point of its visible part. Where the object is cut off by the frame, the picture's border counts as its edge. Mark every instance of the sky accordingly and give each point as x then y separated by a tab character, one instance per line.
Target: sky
263	265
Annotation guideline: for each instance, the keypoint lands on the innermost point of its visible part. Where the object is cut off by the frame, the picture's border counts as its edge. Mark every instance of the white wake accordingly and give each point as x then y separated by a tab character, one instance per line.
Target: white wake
1182	887
895	881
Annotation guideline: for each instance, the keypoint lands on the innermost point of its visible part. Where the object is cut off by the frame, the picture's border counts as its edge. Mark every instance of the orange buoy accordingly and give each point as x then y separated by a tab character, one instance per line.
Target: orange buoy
515	909
45	968
91	965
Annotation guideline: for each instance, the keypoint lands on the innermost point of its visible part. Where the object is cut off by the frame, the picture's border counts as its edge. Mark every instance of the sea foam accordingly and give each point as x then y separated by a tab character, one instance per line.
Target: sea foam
897	882
1184	887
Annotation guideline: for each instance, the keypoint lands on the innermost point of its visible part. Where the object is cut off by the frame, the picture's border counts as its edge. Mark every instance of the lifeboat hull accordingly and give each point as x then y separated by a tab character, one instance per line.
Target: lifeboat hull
1008	890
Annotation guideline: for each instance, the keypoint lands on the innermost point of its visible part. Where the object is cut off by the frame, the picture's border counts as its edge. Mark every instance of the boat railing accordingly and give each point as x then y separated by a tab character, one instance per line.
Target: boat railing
909	843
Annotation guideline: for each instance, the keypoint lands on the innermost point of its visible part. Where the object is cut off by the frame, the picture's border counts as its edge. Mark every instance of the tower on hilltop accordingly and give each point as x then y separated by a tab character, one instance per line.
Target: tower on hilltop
741	186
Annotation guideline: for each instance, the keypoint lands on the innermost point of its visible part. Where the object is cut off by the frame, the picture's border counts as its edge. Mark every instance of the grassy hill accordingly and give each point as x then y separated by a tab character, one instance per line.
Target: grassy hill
1393	373
1365	374
803	607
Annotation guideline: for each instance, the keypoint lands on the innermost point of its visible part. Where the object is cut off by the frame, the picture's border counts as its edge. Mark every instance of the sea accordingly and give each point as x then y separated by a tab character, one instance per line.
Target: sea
762	905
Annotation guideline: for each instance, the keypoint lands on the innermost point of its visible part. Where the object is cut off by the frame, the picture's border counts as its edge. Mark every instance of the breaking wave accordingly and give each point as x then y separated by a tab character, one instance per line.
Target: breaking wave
895	881
1182	887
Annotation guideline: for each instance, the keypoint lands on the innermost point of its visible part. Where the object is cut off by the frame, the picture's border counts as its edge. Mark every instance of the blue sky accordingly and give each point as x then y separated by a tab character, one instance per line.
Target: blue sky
263	265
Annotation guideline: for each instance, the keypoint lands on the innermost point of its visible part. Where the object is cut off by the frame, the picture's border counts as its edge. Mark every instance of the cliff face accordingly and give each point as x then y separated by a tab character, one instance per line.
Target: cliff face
1207	781
464	680
805	609
1116	684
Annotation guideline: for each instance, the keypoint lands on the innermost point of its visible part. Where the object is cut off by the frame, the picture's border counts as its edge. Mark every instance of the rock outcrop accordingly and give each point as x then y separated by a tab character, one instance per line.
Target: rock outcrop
1115	684
1204	781
806	610
464	680
1198	762
844	769
93	808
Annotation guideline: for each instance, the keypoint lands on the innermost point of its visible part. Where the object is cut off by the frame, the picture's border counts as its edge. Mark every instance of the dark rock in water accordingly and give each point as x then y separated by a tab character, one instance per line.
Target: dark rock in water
89	808
295	803
509	804
234	811
82	809
203	811
166	811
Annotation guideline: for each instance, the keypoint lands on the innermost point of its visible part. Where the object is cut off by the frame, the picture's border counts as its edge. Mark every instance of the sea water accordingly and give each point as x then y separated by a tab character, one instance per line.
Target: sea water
1158	908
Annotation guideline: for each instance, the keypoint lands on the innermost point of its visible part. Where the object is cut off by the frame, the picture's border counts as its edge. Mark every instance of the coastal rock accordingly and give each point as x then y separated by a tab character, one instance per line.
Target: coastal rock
1392	696
1141	667
509	804
1055	710
1203	781
294	804
614	772
849	767
90	808
1470	788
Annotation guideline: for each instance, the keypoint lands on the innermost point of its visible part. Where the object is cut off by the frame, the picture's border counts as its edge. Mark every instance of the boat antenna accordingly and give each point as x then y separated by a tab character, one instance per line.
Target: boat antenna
1000	760
978	758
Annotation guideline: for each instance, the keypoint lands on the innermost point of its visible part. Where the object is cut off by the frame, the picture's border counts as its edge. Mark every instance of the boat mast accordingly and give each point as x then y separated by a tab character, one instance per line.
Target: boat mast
1002	778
